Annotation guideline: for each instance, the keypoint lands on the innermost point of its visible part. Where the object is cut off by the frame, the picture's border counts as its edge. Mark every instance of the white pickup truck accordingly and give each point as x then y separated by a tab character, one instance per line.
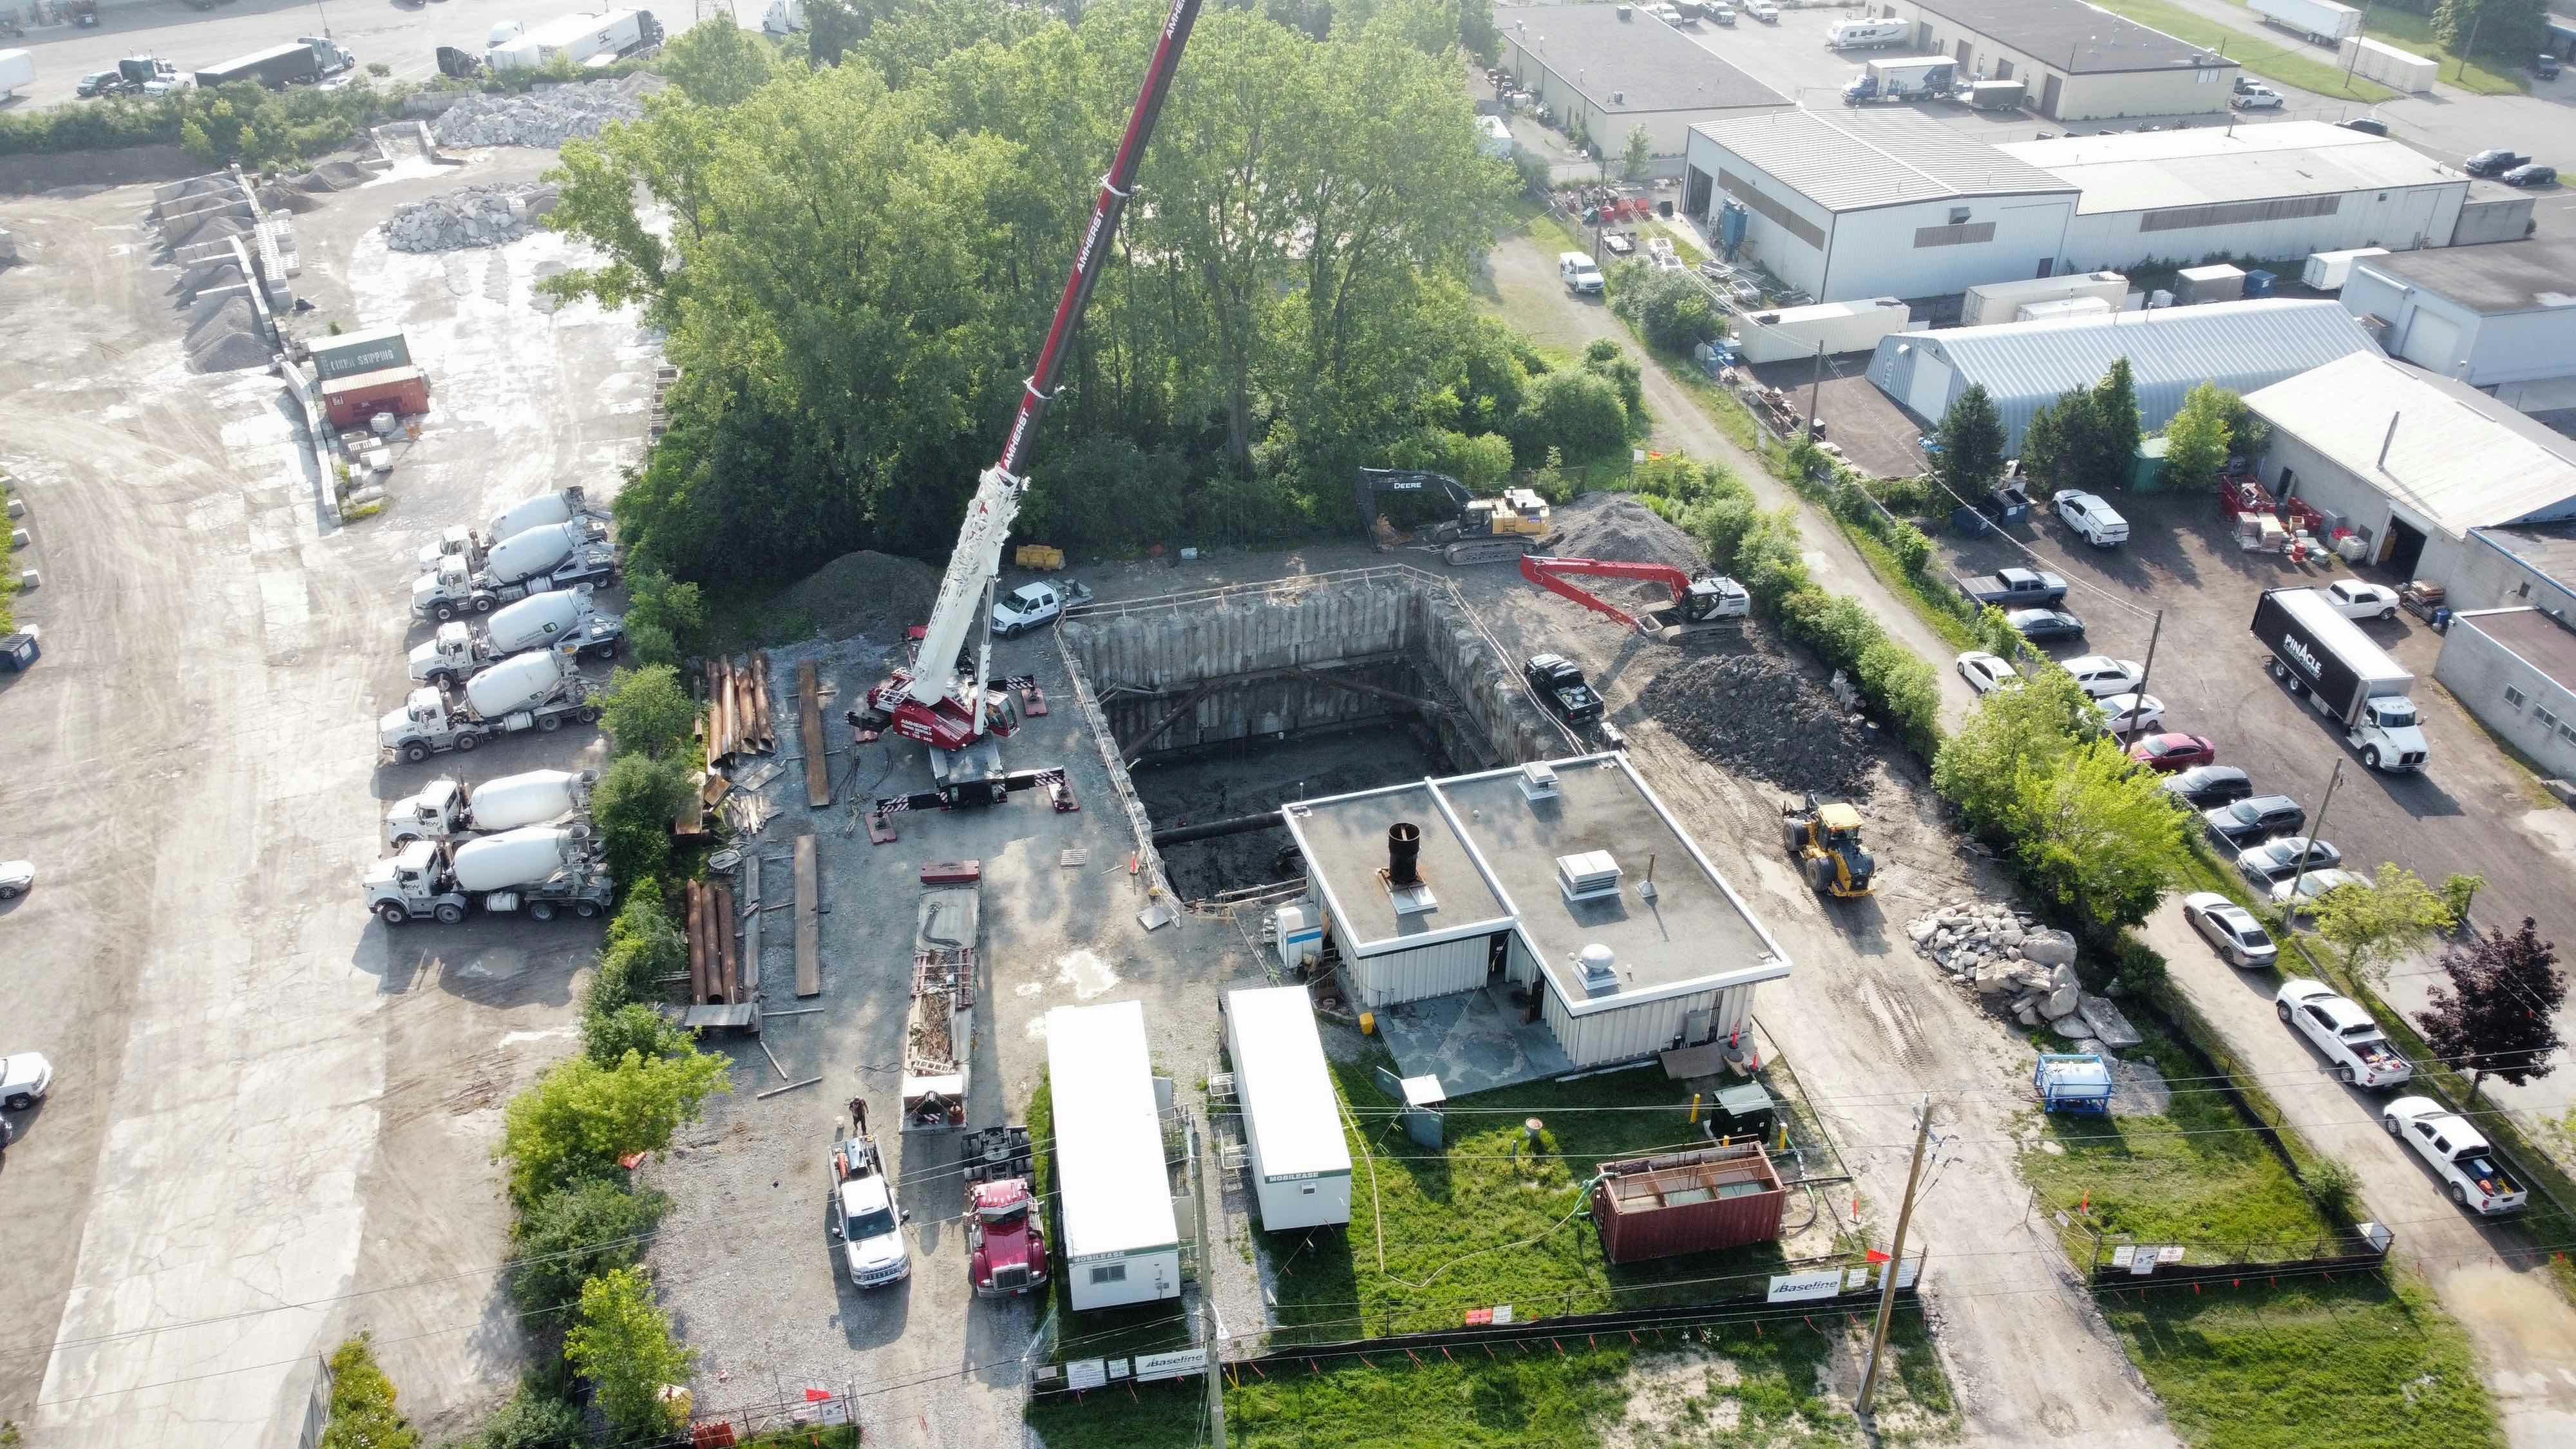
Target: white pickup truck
2468	1166
2359	1050
1030	605
865	1221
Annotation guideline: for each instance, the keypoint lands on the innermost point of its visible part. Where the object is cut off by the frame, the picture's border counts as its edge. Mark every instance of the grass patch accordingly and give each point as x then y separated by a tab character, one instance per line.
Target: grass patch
1102	1332
8	570
2288	61
1169	1415
1882	561
2309	1364
840	1436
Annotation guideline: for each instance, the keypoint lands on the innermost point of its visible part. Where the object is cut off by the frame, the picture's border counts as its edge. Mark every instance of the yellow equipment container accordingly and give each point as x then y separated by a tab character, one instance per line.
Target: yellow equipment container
1038	556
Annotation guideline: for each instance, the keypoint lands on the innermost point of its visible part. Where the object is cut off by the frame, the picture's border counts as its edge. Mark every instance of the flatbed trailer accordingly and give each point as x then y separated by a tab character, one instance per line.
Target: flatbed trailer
939	1025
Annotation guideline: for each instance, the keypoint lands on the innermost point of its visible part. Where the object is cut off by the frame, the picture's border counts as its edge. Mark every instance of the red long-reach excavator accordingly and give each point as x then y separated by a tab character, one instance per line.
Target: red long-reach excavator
1700	601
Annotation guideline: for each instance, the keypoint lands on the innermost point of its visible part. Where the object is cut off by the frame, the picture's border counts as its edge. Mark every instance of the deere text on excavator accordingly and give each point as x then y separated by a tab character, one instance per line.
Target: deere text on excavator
1823	836
1515	522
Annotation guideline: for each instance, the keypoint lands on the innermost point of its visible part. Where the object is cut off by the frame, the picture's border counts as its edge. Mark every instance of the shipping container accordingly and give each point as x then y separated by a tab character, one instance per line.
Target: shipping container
2220	283
2388	65
1687	1202
1793	332
2064	307
351	401
1121	1238
2327	271
2321	21
1292	1123
1997	302
355	352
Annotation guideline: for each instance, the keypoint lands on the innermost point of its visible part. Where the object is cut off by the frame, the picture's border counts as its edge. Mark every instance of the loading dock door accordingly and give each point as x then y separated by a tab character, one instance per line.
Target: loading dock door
1695	193
2432	343
2048	95
1930	393
2405	545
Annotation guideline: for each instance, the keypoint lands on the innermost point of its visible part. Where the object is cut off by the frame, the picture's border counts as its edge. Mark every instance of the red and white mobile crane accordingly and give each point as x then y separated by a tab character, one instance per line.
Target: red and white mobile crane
940	698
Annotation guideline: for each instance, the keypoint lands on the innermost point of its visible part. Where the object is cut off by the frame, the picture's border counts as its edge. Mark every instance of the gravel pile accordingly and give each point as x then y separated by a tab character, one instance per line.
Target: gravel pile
539	118
869	593
333	176
1759	715
225	338
1616	526
208	229
472	216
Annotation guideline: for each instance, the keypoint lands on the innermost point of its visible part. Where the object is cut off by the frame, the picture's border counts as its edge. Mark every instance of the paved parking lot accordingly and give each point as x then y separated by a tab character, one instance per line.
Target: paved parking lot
2472	811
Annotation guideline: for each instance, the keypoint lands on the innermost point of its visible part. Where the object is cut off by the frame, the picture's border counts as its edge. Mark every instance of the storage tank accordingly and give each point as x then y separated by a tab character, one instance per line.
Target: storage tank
560	506
522	556
521	857
1997	302
530	798
522	681
537	618
2328	271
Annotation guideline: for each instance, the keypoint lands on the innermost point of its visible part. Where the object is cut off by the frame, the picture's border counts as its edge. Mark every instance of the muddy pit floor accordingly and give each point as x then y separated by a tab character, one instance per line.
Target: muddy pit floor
1222	783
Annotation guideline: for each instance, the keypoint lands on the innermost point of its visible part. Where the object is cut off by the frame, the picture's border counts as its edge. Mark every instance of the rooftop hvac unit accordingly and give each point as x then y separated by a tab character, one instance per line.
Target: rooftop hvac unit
1592	875
1538	780
1598	969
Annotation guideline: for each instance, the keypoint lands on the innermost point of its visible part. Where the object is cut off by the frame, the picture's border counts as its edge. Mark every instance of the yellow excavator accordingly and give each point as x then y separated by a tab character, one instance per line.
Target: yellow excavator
1823	836
1515	522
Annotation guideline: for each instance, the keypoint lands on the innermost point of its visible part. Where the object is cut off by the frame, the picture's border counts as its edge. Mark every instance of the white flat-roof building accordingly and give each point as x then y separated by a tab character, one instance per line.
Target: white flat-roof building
2077	62
2282	189
1292	1120
1876	204
1607	68
1122	1241
1569	878
2500	317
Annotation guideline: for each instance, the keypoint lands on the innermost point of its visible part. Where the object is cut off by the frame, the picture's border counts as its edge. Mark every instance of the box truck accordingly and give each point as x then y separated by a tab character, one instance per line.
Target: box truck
17	69
1913	78
309	59
1995	95
2326	660
2321	22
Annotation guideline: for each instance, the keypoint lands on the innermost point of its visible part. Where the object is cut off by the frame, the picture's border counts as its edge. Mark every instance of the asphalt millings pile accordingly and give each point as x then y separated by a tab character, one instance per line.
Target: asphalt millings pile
541	117
1758	714
473	216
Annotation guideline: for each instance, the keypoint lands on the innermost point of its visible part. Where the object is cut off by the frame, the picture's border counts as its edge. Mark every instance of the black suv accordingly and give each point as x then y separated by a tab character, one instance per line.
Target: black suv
2210	785
1561	684
2254	820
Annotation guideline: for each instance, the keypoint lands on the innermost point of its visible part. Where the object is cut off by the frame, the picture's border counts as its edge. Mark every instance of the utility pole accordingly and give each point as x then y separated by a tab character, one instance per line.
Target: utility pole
1215	1366
2471	48
1815	389
2145	672
2316	830
2356	50
1896	1257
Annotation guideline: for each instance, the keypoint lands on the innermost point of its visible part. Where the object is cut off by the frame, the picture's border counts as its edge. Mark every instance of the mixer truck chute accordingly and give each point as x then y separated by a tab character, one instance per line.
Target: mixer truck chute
538	869
446	809
537	690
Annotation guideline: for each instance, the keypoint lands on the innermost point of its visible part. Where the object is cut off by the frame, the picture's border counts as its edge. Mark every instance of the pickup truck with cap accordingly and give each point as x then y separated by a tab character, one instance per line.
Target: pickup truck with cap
2467	1164
2015	588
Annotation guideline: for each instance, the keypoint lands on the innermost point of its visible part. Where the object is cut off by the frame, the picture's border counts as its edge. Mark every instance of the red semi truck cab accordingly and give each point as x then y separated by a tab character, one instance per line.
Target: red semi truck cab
1005	1243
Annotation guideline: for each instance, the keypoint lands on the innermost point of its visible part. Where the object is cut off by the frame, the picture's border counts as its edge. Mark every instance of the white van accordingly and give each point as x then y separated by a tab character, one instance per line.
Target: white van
1581	277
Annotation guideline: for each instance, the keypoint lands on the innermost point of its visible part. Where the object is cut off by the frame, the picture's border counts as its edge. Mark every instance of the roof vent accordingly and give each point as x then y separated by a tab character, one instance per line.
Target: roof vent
1597	967
1592	875
1538	780
1405	888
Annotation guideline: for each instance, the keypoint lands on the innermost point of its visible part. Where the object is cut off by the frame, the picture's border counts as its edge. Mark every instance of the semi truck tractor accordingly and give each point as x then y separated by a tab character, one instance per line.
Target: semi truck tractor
2326	660
1913	78
446	809
539	869
538	690
560	619
553	557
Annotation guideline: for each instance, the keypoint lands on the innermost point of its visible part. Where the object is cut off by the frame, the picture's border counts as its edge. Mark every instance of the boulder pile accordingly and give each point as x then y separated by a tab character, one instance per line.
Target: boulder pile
547	117
2019	966
472	216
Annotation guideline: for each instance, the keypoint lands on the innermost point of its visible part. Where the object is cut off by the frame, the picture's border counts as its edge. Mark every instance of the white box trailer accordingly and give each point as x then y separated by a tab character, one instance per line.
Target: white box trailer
1122	1241
1998	302
2321	21
2388	65
2328	271
2062	307
1292	1120
17	68
1788	333
583	39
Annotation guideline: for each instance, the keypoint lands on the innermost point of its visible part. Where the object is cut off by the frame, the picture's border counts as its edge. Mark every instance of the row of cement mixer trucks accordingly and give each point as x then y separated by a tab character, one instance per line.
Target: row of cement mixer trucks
520	843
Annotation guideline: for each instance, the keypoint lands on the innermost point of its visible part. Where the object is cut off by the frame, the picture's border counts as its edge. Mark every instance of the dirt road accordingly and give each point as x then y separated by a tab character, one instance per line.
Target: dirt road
2525	1332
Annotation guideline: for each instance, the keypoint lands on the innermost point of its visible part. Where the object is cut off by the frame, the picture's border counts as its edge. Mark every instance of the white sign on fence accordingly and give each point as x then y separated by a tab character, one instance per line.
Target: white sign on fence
1909	1270
1799	1287
1117	1369
1086	1373
1152	1366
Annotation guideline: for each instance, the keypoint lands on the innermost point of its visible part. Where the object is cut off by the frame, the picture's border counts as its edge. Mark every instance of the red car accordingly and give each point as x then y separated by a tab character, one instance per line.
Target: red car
2173	752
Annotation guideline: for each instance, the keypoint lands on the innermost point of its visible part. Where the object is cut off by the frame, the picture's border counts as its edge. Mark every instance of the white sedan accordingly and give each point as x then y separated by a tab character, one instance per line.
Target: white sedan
2231	928
15	877
2129	714
1985	672
2356	600
2313	886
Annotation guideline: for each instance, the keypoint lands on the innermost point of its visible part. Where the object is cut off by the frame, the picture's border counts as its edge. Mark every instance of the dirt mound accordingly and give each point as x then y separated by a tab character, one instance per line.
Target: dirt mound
867	592
1762	715
334	176
1618	526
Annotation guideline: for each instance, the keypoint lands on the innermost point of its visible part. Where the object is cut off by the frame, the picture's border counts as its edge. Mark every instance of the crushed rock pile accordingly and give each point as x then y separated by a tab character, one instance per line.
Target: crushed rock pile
867	592
333	176
472	216
541	117
1760	715
1617	526
2025	968
224	336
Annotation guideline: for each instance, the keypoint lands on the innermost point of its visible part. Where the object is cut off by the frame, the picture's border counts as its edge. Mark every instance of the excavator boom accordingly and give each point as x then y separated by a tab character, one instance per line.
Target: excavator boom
1548	573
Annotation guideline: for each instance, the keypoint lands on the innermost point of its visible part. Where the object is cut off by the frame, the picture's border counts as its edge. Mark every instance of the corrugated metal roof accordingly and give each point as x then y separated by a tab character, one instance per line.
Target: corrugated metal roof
2151	169
1862	160
2458	457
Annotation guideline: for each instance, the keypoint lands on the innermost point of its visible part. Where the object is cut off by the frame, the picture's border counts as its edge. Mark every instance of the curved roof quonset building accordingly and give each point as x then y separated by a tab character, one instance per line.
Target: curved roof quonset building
2025	365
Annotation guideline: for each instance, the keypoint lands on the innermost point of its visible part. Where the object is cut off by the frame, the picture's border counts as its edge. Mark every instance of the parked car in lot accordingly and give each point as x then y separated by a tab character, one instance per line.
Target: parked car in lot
2232	929
16	876
2260	98
2545	66
2254	818
2367	125
2312	887
2101	525
2494	161
2352	1043
2173	751
2275	861
2103	676
2041	625
2207	786
2009	587
1763	10
2356	600
24	1080
1582	277
2460	1155
1985	672
1030	605
2533	175
2127	714
1560	682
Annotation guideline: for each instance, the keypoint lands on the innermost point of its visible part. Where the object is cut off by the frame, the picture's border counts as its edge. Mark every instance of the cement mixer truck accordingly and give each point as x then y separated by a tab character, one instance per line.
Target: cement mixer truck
562	620
537	690
540	869
564	505
549	557
448	809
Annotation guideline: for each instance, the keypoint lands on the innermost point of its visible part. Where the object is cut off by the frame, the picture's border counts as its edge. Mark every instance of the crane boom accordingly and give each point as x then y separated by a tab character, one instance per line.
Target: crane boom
974	567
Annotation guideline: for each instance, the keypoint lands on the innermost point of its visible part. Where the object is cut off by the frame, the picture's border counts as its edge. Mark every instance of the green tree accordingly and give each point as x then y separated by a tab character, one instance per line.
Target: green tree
531	1418
1476	31
574	1234
609	1035
623	1346
663	619
1637	158
718	63
2111	432
2097	835
580	1118
2012	733
637	798
1972	443
2499	1014
2372	925
1576	413
2197	439
2514	29
1609	361
644	945
2054	438
362	1403
1671	310
646	711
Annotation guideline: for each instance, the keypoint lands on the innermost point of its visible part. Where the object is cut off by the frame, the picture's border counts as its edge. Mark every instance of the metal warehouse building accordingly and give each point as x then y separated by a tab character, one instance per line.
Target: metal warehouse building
1608	68
2516	670
2410	461
2025	365
2500	317
2077	63
1878	204
1568	878
2284	189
